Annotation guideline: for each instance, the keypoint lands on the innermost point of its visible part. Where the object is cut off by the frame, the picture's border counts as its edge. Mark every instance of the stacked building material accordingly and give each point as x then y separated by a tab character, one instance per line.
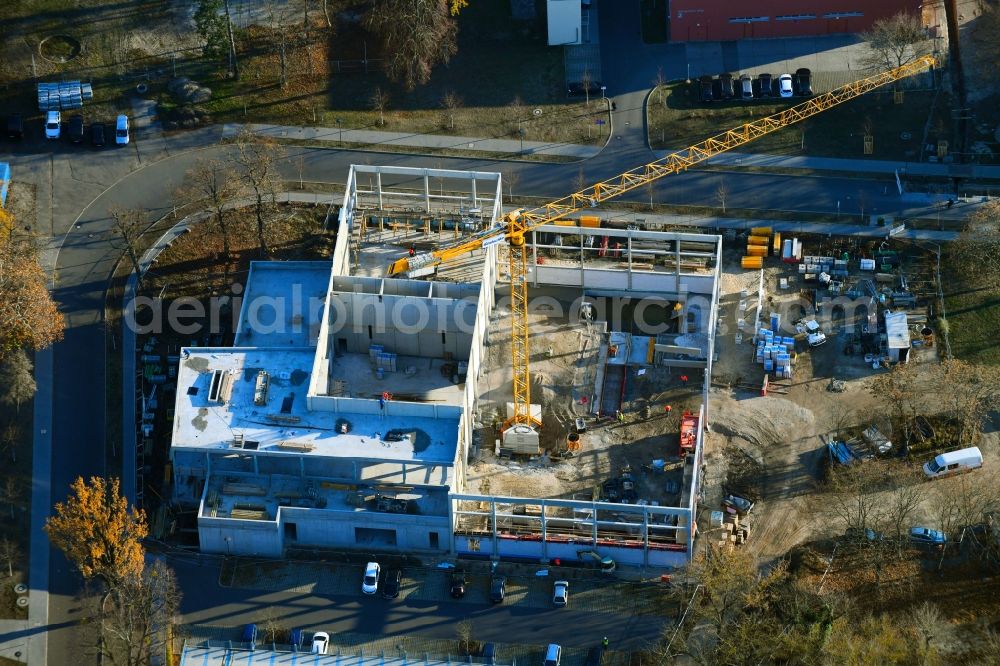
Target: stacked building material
63	96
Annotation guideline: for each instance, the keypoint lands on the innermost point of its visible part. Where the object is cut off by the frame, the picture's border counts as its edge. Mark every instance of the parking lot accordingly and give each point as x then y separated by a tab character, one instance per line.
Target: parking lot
589	592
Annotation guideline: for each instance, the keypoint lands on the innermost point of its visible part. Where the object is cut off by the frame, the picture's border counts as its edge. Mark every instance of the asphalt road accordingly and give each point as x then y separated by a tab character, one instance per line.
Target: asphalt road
206	603
77	189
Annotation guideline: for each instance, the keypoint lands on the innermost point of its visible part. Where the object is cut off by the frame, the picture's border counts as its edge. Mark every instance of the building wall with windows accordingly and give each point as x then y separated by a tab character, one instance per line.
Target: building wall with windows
724	20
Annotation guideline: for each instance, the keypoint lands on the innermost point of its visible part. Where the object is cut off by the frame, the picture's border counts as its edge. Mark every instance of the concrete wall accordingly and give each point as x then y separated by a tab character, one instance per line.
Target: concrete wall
537	551
338	528
621	280
408	326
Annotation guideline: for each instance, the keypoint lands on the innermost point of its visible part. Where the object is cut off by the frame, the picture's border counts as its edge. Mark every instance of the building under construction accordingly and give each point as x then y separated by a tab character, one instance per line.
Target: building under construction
366	411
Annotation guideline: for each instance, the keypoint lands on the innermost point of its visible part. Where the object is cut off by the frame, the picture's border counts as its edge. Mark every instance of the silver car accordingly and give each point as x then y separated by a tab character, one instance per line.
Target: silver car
560	593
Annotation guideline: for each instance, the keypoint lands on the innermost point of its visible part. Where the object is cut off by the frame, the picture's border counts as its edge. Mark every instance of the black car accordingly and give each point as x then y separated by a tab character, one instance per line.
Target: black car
15	126
498	589
803	82
391	584
705	88
97	135
727	86
764	81
457	588
578	88
74	128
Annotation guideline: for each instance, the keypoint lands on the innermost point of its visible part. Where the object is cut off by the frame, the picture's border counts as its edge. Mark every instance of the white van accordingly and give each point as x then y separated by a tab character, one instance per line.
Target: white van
954	462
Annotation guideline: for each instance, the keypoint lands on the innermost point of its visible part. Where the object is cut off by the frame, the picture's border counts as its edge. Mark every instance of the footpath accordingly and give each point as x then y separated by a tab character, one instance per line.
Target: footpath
355	138
514	148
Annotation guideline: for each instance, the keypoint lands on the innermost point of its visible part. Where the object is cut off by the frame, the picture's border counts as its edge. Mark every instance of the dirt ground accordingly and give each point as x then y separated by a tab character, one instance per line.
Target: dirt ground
564	361
786	431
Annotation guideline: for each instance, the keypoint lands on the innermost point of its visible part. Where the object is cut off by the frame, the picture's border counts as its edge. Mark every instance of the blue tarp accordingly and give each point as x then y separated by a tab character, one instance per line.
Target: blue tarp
840	452
4	182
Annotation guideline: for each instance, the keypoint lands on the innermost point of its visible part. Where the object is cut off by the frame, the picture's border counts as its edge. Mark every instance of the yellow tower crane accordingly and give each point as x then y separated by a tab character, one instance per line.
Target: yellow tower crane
518	223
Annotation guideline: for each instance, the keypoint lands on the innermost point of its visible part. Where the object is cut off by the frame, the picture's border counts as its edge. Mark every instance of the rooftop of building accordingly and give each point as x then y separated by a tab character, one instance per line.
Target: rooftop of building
282	422
259	497
897	330
283	304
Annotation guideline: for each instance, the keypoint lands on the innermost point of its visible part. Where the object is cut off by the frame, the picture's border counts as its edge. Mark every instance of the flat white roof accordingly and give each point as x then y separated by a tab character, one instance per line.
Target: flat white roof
283	304
285	425
897	331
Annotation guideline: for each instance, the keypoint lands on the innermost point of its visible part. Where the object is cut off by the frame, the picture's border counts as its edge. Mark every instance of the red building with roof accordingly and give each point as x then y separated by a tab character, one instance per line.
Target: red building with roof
723	20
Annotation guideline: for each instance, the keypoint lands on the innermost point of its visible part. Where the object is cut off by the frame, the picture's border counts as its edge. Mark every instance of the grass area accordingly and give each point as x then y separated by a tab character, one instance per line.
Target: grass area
654	21
677	119
973	312
495	89
193	265
502	73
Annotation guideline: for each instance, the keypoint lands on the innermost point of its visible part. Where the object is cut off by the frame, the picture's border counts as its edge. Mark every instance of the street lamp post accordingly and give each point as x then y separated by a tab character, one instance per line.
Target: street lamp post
603	88
838	209
340	129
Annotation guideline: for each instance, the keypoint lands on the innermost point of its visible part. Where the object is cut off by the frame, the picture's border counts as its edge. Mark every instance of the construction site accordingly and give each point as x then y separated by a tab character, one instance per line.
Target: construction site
561	384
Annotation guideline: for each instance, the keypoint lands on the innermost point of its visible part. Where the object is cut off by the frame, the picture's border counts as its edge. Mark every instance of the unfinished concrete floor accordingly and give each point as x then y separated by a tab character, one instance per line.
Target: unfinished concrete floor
565	357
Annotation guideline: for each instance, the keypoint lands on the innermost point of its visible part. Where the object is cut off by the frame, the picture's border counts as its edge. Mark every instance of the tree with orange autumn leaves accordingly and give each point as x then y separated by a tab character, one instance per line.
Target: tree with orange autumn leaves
28	316
99	533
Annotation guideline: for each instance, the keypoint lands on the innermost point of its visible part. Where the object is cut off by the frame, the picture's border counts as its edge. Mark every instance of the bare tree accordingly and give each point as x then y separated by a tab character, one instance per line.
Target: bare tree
512	177
722	193
580	181
10	493
932	628
451	102
463	630
17	379
8	440
10	554
515	114
659	82
894	41
380	102
212	184
416	35
586	80
975	254
136	617
128	225
234	65
258	161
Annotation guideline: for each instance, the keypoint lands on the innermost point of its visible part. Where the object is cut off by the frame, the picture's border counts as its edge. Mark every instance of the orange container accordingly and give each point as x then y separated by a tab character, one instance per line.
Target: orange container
752	262
757	251
760	231
759	240
591	221
776	245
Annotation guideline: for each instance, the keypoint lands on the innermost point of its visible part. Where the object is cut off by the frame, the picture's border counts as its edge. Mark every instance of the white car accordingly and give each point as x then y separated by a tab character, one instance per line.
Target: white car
121	130
560	593
53	125
321	642
785	85
370	583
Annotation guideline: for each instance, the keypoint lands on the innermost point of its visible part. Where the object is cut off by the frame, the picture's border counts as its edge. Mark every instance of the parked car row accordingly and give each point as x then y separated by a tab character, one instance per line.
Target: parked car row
390	585
745	87
72	128
320	643
918	536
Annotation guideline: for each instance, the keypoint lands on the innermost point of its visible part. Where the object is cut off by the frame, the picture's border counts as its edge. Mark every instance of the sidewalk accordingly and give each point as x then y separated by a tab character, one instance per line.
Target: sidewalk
375	139
851	165
653	222
14	640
